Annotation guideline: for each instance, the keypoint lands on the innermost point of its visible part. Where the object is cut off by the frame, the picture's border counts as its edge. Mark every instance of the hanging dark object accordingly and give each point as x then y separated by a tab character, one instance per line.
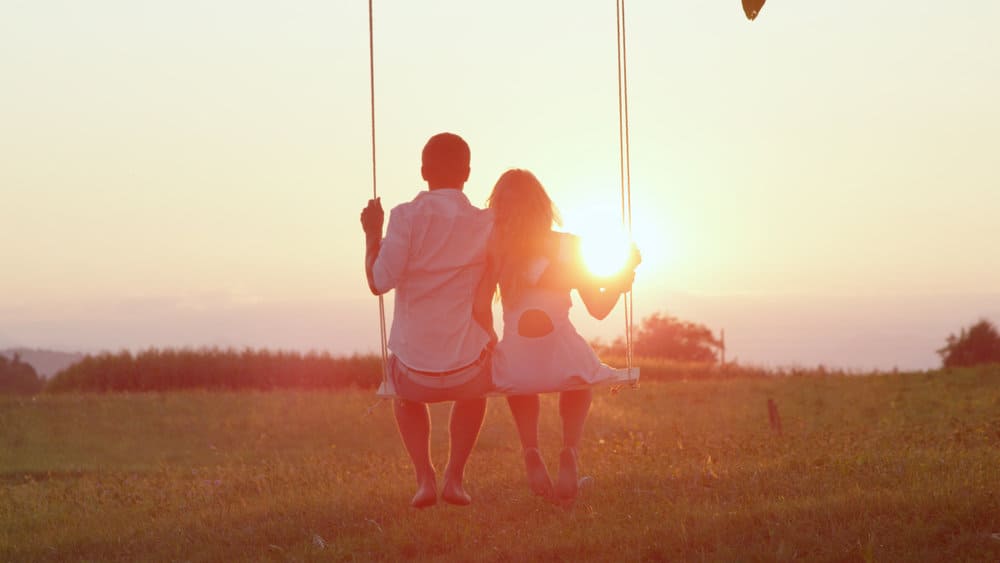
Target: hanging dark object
752	8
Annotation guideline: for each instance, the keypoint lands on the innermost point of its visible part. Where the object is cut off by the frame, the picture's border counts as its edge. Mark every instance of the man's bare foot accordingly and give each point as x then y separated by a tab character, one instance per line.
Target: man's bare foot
538	475
453	493
568	483
426	494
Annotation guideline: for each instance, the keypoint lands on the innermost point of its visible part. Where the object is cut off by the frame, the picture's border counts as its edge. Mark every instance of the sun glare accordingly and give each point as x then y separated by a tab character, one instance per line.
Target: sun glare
604	242
605	250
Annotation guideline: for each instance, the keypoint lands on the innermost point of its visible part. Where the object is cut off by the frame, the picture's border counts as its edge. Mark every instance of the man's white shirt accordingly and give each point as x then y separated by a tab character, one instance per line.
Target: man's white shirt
433	255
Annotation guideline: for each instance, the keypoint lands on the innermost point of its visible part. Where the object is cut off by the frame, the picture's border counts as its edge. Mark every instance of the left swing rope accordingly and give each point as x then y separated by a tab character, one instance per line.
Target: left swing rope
384	347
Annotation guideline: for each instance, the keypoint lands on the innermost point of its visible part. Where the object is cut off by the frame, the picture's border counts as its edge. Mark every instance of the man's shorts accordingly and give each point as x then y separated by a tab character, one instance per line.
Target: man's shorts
470	382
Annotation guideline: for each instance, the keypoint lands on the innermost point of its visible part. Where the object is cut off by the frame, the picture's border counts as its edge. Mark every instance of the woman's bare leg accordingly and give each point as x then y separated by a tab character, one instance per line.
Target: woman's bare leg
573	408
414	422
525	409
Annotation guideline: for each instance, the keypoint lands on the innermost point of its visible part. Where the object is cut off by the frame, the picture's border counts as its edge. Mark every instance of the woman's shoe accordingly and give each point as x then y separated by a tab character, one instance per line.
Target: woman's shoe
538	475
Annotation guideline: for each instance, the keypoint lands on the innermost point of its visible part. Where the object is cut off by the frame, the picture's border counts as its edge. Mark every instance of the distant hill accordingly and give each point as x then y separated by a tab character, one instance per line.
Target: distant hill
46	362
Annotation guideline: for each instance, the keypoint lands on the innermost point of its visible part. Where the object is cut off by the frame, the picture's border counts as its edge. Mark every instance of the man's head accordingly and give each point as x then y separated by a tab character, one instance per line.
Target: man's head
445	161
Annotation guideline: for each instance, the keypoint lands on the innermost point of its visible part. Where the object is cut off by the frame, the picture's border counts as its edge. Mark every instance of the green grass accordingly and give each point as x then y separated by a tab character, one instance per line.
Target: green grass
884	468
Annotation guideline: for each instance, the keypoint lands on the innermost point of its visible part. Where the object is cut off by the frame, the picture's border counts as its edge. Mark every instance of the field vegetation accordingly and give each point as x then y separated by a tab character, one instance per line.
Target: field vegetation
891	467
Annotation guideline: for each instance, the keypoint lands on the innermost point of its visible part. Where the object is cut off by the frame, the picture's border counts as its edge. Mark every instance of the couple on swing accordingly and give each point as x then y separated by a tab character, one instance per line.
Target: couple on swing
445	258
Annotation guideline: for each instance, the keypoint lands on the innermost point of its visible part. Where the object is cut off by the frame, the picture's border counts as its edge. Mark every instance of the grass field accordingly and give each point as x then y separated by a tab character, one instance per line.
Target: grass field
881	468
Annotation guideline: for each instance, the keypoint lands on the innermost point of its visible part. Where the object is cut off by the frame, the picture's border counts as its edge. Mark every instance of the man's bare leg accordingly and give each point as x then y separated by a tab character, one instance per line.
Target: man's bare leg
466	420
414	422
573	408
525	409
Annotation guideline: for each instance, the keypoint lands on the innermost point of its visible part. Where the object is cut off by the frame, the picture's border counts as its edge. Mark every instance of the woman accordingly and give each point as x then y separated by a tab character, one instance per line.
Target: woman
536	268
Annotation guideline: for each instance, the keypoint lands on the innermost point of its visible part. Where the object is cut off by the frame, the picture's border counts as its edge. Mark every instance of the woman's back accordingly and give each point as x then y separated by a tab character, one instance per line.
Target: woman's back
541	302
540	350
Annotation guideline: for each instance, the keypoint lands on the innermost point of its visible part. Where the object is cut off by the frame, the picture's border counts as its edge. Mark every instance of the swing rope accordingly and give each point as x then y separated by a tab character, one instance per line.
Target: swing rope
625	166
381	300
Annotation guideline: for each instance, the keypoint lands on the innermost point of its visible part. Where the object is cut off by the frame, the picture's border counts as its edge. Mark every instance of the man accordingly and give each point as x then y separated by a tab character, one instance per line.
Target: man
433	255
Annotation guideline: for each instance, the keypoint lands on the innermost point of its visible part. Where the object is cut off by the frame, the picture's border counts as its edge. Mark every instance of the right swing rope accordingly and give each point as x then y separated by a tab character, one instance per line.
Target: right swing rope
624	168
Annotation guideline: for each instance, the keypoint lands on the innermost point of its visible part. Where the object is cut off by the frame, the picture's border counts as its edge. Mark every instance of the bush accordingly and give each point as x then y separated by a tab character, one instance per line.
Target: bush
978	344
663	336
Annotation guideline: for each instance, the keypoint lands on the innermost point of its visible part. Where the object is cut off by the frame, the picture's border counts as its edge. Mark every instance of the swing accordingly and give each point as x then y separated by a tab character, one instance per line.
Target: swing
617	377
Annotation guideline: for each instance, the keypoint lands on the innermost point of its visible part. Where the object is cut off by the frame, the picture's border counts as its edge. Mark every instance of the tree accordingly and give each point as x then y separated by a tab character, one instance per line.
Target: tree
18	377
663	336
978	344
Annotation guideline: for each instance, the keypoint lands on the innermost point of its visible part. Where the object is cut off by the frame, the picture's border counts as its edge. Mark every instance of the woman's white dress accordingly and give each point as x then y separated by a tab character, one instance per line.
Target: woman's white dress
540	350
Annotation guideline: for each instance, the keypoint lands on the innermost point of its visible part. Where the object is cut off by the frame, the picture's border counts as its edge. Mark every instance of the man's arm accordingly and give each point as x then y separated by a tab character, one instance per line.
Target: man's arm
372	218
482	305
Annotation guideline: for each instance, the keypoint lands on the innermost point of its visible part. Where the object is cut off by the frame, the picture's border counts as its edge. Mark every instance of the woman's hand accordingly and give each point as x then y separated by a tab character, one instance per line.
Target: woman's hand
624	282
634	258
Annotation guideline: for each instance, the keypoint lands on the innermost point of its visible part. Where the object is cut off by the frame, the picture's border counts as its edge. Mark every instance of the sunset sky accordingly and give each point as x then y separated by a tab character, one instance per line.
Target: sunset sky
823	182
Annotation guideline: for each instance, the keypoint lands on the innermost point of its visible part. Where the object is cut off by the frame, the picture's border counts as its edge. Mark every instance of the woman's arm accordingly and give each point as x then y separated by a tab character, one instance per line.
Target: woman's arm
600	298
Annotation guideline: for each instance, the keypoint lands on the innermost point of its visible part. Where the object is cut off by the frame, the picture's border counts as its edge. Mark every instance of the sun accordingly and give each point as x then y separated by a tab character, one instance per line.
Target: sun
605	250
605	245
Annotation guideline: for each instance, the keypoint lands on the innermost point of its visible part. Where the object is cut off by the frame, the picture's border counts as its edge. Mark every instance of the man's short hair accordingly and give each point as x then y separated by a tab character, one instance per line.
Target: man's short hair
446	159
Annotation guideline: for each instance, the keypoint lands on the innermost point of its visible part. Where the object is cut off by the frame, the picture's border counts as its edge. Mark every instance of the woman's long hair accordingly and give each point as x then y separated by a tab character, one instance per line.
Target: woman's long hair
523	217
